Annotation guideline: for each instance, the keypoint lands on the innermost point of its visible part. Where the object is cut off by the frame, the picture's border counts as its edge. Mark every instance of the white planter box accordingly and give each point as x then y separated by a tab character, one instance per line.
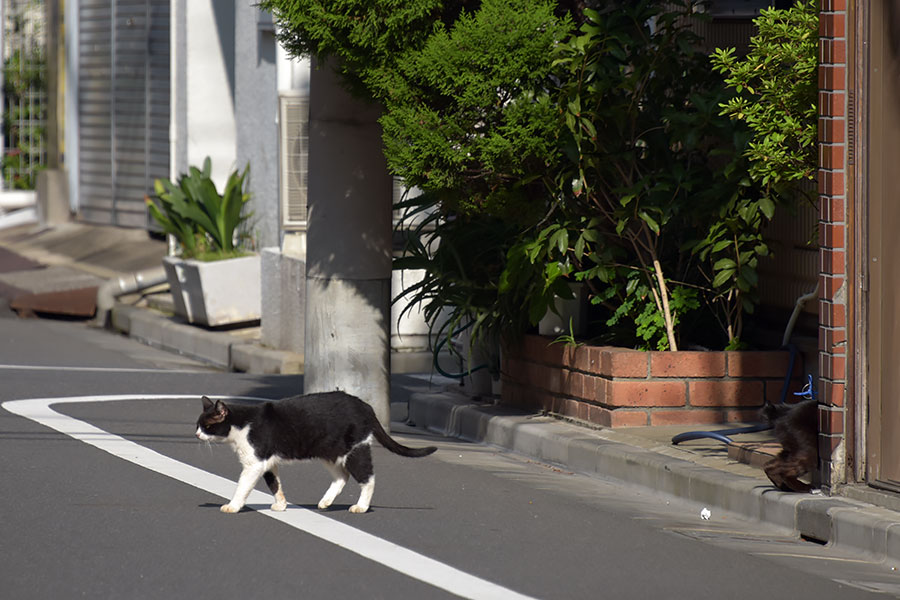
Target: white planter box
222	292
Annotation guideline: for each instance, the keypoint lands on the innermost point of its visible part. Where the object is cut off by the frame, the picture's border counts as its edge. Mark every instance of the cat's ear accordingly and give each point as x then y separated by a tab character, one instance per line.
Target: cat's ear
207	403
221	411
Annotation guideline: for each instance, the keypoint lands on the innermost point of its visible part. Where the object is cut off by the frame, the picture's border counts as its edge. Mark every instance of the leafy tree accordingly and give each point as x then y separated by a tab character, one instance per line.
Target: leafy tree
472	127
363	38
776	93
466	119
663	205
549	155
649	159
468	124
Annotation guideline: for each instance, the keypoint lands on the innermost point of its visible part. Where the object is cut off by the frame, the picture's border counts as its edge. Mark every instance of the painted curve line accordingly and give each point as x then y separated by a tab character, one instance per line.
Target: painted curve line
388	554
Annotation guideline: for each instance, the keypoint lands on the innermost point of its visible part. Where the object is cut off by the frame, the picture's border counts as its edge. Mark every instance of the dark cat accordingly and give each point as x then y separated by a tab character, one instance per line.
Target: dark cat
334	427
796	427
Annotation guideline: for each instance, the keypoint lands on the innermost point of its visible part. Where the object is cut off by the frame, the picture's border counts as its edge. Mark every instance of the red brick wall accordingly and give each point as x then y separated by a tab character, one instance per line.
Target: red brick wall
615	387
833	232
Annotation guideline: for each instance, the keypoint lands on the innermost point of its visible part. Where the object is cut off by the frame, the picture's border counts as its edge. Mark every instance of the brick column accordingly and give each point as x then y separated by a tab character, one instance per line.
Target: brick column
833	292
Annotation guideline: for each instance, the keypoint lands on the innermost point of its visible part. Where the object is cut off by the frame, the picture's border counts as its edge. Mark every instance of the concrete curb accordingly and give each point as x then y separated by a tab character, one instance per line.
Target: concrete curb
228	350
855	525
218	348
250	358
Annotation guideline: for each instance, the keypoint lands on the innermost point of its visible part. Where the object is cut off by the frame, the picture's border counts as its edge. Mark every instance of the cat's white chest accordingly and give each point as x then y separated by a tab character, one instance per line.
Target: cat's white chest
239	440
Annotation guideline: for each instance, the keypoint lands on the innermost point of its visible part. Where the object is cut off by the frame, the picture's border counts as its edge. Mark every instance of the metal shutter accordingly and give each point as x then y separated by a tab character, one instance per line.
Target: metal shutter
123	107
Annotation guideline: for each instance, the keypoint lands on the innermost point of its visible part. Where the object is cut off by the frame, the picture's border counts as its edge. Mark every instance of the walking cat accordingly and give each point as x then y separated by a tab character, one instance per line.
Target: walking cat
796	427
334	427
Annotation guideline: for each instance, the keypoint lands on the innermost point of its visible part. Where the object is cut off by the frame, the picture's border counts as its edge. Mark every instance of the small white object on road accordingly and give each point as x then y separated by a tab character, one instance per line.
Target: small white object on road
705	514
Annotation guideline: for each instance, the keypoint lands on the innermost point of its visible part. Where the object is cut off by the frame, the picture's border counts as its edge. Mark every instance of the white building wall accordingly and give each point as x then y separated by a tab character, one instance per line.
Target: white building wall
203	86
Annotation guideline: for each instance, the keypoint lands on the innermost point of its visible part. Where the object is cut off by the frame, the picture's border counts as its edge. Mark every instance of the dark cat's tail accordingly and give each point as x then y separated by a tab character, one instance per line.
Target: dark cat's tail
397	448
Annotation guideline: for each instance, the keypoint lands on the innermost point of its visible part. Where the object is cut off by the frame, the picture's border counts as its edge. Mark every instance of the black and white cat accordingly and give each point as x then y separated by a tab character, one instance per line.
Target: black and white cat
334	427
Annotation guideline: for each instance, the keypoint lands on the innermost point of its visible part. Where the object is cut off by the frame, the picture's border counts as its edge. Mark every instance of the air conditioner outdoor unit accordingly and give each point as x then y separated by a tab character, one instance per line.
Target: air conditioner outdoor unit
293	114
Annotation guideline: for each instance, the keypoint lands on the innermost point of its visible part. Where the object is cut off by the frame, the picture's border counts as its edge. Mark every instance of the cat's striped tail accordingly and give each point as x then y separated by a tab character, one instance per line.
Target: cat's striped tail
396	447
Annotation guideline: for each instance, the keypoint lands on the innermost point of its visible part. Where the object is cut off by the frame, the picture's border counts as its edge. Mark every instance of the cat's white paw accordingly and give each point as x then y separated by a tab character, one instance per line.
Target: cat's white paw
279	506
323	504
230	509
356	508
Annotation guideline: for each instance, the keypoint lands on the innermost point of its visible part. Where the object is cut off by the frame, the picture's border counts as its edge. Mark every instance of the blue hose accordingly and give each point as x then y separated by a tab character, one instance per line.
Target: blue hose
437	350
722	435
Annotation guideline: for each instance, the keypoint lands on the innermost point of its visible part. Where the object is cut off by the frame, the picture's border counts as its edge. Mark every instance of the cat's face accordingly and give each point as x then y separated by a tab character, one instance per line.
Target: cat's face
213	426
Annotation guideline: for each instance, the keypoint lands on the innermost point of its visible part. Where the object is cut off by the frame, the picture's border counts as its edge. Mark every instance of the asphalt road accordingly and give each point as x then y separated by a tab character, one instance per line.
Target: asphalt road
111	496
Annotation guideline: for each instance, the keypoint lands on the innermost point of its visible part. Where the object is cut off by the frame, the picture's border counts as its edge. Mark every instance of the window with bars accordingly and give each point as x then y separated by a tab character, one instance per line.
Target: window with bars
24	104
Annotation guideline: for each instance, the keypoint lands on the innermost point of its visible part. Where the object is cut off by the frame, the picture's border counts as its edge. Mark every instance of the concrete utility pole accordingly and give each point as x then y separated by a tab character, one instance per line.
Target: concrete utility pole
348	268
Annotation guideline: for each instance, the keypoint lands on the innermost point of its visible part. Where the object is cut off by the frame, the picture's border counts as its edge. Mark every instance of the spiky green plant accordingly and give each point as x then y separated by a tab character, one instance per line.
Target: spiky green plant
198	216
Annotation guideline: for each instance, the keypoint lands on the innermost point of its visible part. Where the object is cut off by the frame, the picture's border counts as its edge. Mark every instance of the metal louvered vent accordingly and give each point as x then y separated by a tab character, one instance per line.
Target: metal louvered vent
294	146
851	127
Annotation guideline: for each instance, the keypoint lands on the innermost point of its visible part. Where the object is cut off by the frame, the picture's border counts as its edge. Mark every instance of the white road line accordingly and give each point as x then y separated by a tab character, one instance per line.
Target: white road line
97	369
381	551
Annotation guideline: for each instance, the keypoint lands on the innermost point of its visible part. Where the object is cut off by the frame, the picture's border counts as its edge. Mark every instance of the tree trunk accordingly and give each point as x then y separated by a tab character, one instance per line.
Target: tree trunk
667	312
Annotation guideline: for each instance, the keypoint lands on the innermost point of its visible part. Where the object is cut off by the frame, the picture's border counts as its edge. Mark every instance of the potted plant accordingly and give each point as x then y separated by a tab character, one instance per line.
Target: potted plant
215	279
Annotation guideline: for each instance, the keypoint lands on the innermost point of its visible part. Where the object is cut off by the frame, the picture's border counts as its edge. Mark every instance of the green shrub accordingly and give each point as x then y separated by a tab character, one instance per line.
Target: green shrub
776	95
363	39
472	127
650	163
462	257
664	203
468	124
550	155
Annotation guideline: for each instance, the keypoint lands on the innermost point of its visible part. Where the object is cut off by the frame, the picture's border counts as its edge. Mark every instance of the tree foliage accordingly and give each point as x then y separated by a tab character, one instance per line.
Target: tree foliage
556	143
468	124
775	94
364	38
474	129
651	164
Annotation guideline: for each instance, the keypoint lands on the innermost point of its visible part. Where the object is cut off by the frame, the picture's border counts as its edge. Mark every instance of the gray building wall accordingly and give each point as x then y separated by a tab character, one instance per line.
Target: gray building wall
256	109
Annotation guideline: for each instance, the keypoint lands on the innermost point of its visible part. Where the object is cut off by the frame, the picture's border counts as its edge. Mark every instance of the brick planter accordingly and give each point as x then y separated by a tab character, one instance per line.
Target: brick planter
616	387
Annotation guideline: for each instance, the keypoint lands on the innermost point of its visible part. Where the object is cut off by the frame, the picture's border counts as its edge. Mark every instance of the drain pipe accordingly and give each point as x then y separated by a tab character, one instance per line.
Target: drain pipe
797	308
124	284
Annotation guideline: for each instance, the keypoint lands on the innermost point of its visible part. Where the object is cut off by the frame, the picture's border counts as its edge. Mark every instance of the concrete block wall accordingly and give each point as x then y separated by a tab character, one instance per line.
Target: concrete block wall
282	326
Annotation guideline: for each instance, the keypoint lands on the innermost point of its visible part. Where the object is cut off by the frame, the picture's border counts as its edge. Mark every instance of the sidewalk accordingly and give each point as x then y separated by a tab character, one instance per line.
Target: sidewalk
701	471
